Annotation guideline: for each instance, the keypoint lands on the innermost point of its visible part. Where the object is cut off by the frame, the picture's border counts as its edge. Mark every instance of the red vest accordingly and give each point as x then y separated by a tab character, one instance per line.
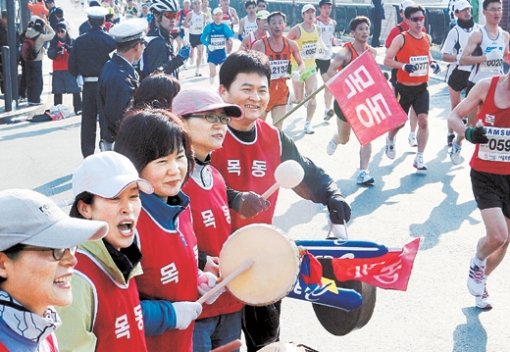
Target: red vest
118	319
170	269
487	158
211	222
250	167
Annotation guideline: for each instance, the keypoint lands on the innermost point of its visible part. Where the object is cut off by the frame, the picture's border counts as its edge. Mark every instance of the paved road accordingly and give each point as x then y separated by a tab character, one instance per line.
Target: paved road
436	313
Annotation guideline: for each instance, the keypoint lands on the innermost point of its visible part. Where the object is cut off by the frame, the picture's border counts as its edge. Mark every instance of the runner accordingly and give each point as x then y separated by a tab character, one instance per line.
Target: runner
248	23
399	28
457	75
258	34
279	51
251	151
490	175
307	38
217	39
360	30
195	21
486	49
410	53
326	27
230	17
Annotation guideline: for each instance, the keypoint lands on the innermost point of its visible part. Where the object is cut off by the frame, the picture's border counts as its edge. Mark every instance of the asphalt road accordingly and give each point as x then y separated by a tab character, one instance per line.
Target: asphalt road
435	314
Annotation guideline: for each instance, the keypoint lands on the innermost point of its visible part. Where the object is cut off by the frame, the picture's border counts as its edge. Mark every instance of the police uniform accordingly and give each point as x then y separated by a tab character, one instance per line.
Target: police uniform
89	54
117	82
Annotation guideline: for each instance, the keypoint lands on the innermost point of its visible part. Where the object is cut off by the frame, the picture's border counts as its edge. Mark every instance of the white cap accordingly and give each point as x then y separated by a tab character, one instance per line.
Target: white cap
406	3
307	7
129	30
97	12
106	175
216	10
461	5
28	217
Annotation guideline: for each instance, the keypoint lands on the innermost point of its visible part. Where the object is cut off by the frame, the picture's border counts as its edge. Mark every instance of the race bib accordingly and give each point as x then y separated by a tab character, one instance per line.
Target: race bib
309	50
279	69
422	64
217	43
498	147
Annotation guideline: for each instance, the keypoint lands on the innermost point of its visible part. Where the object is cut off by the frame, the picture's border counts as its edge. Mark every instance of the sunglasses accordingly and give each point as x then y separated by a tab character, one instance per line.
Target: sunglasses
170	15
214	118
417	18
58	253
61	31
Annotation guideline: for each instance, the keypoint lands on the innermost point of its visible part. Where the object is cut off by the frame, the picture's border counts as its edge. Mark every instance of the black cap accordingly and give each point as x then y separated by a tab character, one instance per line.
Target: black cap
325	2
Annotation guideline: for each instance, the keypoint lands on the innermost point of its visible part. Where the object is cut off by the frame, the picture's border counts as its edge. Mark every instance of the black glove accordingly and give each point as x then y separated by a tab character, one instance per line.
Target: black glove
249	204
476	135
339	210
409	68
435	67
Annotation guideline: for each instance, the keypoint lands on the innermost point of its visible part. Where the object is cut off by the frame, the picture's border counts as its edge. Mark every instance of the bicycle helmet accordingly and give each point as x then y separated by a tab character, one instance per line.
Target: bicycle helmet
164	5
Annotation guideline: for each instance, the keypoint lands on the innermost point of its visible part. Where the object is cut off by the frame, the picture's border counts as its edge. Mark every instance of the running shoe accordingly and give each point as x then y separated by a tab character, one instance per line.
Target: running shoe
328	114
449	139
364	178
483	301
331	147
308	128
413	142
476	278
390	149
419	164
455	156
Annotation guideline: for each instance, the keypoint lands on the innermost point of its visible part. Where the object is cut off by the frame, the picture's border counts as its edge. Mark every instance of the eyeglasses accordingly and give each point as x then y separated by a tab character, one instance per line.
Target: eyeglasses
214	118
417	18
58	253
170	15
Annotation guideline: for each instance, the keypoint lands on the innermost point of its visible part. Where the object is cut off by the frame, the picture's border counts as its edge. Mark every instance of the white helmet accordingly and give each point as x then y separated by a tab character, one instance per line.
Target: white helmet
164	5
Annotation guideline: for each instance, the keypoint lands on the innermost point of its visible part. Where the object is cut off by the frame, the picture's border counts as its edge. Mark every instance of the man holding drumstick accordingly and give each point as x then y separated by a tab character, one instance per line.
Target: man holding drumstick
251	152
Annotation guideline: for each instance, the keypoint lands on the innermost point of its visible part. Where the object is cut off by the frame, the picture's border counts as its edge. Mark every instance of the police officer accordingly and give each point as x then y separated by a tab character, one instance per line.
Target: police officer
85	26
89	54
119	79
159	53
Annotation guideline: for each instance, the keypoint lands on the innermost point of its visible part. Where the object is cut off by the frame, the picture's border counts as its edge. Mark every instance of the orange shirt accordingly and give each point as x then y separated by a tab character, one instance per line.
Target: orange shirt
414	51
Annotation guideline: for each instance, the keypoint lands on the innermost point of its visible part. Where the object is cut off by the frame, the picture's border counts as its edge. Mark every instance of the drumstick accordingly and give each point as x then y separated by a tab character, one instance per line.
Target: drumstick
288	174
247	264
229	347
342	232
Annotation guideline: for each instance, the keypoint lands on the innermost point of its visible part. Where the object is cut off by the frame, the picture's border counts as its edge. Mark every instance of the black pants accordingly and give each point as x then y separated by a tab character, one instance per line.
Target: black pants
89	119
57	100
261	325
34	81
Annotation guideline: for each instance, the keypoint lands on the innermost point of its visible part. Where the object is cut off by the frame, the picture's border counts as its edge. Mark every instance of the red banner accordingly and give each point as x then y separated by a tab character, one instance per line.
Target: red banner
391	270
366	99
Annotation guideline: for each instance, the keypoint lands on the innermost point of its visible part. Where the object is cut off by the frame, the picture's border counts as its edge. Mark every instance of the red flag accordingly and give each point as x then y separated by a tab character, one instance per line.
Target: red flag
391	270
366	99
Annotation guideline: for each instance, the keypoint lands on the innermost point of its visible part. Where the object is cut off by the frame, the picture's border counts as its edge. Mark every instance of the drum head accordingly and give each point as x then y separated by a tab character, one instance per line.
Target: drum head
340	322
275	264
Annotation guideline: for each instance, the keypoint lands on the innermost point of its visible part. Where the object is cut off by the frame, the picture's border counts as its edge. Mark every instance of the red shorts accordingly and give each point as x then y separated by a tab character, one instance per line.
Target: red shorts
278	93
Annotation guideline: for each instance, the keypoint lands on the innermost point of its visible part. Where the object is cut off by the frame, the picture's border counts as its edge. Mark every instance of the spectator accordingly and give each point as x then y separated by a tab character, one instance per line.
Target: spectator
3	41
37	8
35	31
37	246
62	81
157	91
377	17
56	17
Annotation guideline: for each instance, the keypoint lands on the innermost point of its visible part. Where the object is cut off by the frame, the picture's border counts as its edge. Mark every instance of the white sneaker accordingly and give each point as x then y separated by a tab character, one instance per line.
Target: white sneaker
364	178
308	128
331	147
455	156
413	142
390	149
483	301
476	278
419	164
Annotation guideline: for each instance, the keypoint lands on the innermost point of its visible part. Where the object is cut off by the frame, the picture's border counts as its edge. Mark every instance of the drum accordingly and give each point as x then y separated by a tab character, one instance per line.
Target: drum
275	264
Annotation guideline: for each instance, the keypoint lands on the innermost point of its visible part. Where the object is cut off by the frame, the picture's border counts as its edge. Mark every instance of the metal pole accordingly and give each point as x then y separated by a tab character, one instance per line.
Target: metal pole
11	40
299	105
7	78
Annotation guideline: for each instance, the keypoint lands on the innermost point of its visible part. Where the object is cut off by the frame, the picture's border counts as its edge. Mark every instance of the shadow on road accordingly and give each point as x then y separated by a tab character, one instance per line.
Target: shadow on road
58	185
471	336
39	132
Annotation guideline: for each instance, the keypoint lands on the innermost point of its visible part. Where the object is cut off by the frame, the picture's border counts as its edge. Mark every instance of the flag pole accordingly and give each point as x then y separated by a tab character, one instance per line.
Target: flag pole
290	112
